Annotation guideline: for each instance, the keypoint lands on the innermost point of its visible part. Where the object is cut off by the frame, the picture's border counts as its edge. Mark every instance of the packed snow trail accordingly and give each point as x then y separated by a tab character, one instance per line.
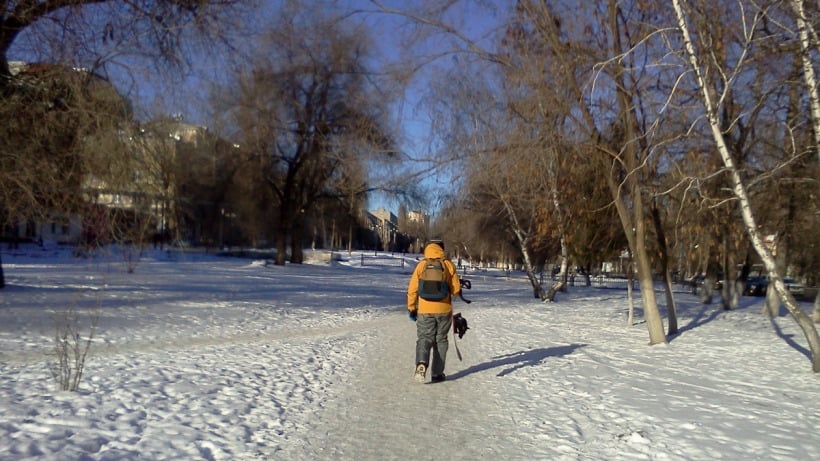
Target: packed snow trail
551	387
382	413
224	360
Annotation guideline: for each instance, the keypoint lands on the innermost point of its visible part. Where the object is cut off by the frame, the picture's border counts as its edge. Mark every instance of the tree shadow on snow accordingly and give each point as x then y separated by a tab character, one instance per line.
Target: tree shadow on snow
517	360
706	314
789	338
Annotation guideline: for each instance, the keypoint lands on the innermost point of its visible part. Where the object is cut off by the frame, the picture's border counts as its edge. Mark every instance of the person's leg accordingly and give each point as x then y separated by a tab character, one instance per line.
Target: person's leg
442	330
425	336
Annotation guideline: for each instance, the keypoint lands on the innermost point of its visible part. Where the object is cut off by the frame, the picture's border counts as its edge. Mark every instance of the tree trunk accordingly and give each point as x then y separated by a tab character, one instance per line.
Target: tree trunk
528	268
648	301
296	252
522	239
537	287
554	289
630	318
707	290
634	222
727	294
739	189
771	306
814	99
808	70
636	236
560	283
671	308
736	281
281	237
635	226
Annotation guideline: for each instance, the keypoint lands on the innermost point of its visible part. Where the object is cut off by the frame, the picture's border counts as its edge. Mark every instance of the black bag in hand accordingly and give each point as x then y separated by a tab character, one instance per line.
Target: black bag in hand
459	325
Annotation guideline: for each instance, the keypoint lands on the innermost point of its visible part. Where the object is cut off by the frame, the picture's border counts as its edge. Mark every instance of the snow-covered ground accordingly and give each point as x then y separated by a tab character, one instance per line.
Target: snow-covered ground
214	358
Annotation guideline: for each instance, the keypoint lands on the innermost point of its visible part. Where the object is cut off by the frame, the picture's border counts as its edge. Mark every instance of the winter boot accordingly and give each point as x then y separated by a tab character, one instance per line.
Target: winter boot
421	370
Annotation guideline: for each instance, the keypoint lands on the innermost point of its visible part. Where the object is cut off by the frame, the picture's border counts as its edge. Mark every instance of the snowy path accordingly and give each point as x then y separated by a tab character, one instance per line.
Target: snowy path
384	414
552	392
226	360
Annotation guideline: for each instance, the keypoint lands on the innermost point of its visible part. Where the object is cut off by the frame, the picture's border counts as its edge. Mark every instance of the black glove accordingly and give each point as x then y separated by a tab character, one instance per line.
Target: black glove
413	315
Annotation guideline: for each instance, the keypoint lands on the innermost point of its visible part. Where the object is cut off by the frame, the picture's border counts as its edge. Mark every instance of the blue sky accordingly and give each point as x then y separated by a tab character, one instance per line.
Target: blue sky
156	94
475	19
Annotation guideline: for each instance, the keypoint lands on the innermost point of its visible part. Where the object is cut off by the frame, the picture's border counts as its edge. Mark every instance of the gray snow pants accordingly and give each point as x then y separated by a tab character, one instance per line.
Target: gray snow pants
432	331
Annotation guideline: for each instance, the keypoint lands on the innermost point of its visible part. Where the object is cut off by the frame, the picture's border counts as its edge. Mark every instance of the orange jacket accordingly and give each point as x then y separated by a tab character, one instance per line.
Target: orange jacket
445	306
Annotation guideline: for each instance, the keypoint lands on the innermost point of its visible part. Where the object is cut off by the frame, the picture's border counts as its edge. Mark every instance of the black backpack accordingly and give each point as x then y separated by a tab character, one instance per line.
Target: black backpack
433	284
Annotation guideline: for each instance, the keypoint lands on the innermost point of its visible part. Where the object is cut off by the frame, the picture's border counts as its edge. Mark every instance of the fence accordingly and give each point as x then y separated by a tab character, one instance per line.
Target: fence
595	281
383	260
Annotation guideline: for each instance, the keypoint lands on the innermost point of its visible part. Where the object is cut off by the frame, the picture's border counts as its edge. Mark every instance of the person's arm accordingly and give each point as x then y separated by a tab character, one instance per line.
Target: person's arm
455	282
413	291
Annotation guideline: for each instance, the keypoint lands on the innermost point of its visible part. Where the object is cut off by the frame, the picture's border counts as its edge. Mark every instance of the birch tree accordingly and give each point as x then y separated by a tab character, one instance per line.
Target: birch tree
609	120
541	108
505	178
809	45
502	184
512	135
712	98
585	52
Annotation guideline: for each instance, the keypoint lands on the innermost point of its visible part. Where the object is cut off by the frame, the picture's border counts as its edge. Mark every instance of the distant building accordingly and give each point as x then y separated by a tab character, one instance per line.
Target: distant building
55	224
417	216
155	145
385	216
385	224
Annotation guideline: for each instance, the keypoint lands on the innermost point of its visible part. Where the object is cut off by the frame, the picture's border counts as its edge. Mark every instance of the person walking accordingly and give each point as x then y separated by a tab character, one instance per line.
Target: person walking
430	292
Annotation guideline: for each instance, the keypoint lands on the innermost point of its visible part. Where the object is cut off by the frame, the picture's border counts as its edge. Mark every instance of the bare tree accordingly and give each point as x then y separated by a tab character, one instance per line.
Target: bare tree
712	98
807	37
309	117
663	248
70	131
60	129
502	157
621	142
501	181
91	33
809	42
632	135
